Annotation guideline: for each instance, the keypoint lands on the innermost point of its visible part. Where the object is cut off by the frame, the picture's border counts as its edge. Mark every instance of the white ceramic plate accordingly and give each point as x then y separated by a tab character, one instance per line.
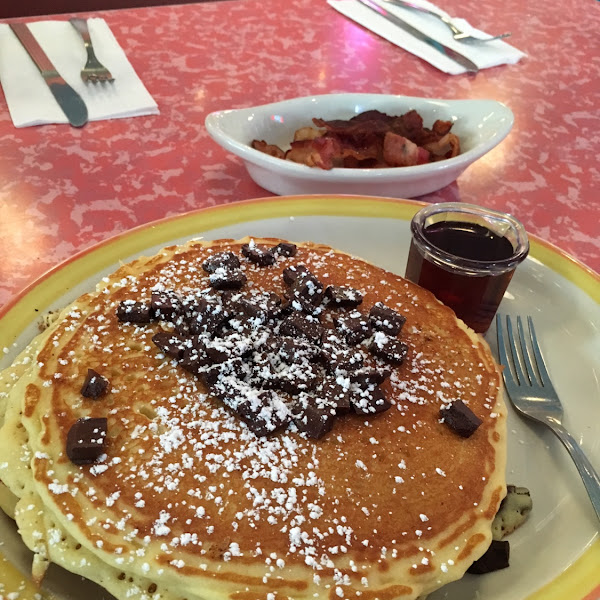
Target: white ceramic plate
555	555
479	124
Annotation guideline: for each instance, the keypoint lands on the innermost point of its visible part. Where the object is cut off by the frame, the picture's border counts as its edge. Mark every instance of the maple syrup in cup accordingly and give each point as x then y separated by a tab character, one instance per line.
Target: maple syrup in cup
466	255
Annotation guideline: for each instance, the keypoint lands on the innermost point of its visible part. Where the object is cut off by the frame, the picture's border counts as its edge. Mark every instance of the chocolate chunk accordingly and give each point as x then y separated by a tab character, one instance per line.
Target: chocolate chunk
390	349
227	279
291	273
255	310
268	416
205	315
263	374
221	260
285	249
369	376
259	255
290	349
171	344
344	297
307	291
194	359
337	356
495	558
354	327
385	319
166	306
369	400
264	411
130	311
313	420
298	324
86	440
332	394
216	355
460	418
215	374
94	385
299	377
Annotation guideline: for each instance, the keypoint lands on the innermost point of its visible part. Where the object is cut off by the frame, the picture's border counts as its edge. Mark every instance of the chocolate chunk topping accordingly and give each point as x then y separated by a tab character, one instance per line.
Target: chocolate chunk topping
86	440
205	315
227	279
345	297
249	347
306	293
221	260
94	385
290	349
354	327
255	310
460	418
313	420
285	249
385	319
299	377
390	349
369	400
332	394
235	368
337	356
264	411
194	360
171	344
298	324
130	311
495	558
291	273
369	375
166	306
259	255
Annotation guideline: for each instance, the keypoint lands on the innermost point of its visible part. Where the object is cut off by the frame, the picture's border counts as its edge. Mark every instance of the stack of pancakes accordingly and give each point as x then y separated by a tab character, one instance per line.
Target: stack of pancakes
197	494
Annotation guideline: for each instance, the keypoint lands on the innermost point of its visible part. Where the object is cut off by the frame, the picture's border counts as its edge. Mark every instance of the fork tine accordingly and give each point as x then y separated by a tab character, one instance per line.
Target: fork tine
502	353
517	361
539	359
531	371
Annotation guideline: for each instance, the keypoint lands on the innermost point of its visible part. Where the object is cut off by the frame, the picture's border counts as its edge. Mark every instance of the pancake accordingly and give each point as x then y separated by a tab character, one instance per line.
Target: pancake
227	470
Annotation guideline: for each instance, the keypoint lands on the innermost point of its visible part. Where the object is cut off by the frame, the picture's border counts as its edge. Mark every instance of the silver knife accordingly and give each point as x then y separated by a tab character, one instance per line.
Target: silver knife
463	61
68	99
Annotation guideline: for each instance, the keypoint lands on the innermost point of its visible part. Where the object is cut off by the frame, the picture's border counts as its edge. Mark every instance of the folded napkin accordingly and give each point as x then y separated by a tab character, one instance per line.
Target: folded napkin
29	99
484	55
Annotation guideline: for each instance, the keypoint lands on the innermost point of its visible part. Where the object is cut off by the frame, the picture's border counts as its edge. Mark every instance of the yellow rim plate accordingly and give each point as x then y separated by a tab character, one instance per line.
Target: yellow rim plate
580	581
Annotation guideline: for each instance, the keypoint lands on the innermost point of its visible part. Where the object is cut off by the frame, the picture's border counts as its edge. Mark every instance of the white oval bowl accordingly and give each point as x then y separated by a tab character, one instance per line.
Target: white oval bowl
480	125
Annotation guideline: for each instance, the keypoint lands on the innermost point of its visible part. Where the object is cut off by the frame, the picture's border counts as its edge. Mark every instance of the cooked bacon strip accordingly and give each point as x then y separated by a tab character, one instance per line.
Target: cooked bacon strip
447	147
321	152
399	151
307	133
269	149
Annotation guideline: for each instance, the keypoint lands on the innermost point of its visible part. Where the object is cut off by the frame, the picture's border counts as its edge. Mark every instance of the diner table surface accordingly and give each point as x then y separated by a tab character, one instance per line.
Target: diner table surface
64	189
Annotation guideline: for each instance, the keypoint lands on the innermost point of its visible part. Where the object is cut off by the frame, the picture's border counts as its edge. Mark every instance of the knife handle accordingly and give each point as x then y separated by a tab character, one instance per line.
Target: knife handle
34	49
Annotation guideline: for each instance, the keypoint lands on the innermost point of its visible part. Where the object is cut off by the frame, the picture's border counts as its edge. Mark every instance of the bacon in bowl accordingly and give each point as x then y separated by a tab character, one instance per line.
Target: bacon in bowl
372	139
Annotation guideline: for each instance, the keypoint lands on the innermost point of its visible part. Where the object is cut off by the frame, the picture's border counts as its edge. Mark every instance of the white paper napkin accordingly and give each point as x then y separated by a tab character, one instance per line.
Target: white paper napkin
29	99
484	55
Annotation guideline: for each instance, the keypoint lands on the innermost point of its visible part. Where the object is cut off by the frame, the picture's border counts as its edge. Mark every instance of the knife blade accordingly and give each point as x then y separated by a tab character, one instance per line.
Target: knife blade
463	61
68	99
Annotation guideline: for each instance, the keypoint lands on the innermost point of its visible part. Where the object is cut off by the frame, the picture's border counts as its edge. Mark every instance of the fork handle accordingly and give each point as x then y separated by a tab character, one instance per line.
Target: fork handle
590	477
82	28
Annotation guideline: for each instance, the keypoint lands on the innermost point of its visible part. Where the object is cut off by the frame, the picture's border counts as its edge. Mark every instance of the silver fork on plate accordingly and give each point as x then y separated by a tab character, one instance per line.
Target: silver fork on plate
458	34
94	71
531	392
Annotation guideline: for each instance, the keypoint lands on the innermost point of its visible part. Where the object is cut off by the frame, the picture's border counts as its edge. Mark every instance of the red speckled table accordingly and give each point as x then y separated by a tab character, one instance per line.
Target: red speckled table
64	189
